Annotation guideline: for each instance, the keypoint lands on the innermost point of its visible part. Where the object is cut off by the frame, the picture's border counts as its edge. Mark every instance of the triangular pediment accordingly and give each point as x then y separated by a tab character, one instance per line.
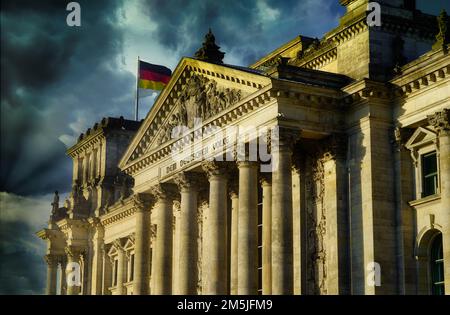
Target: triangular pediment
420	137
198	91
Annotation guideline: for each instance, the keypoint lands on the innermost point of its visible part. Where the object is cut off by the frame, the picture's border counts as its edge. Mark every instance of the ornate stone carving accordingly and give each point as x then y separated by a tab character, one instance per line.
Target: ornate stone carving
200	99
51	260
73	252
214	168
316	225
443	37
141	202
440	121
335	147
164	191
186	180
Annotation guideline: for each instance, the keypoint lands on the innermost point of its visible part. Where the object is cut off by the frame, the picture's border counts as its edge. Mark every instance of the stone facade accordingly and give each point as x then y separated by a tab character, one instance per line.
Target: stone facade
357	203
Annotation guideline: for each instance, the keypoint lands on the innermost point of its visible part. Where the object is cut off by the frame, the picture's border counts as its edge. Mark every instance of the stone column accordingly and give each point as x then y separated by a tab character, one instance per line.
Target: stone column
142	246
266	184
248	228
107	272
162	269
441	123
234	196
215	238
188	228
73	270
97	259
282	228
120	289
62	282
52	272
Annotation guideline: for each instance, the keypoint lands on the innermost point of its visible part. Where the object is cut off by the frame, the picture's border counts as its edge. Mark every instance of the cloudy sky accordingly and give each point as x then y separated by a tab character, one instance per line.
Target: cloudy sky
56	81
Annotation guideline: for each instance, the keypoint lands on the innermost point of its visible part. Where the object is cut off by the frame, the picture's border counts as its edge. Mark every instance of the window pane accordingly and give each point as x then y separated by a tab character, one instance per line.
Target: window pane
429	174
437	266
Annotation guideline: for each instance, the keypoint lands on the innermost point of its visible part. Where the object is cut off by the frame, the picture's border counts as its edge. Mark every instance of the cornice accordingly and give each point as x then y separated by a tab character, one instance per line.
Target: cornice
124	209
425	75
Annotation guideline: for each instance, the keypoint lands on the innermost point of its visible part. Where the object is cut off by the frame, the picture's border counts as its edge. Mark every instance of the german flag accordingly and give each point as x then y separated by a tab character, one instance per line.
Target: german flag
153	77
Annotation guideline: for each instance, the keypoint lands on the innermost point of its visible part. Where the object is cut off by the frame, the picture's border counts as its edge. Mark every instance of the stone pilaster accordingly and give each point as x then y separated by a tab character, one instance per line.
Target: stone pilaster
441	124
142	245
266	183
215	238
188	229
405	221
52	271
248	228
336	215
162	269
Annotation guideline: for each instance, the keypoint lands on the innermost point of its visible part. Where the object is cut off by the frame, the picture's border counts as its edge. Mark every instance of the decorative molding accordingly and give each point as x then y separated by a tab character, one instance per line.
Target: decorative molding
440	121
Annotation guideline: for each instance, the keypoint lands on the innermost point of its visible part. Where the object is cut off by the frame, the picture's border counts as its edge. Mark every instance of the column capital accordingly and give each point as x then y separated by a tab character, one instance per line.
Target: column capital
265	179
164	191
186	181
282	138
440	121
142	202
215	168
74	252
241	164
51	260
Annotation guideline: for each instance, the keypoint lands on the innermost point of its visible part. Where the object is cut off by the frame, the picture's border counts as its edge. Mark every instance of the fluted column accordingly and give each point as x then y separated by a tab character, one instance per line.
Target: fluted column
441	123
52	271
248	228
188	228
120	289
234	196
266	184
215	240
162	269
282	228
142	246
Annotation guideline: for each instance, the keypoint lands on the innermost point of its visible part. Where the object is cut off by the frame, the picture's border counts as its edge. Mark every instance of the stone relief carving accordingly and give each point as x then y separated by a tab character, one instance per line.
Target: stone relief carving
201	98
316	222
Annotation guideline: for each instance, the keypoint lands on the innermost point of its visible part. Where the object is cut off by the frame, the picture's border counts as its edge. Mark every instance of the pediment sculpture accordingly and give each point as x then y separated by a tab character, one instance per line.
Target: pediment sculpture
201	99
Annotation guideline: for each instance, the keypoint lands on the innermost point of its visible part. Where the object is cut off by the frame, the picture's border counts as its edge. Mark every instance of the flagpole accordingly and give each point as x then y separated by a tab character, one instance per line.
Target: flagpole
136	105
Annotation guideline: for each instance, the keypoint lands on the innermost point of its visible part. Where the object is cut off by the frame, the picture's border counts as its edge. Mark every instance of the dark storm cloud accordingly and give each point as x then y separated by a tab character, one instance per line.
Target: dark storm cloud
55	80
248	28
23	267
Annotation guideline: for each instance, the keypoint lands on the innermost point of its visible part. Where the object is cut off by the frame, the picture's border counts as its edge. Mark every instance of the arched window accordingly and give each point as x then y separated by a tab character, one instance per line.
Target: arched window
437	266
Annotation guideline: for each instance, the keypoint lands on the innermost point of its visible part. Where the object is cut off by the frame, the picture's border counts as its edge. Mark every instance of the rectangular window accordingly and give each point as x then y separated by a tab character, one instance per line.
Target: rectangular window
115	270
429	174
131	274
